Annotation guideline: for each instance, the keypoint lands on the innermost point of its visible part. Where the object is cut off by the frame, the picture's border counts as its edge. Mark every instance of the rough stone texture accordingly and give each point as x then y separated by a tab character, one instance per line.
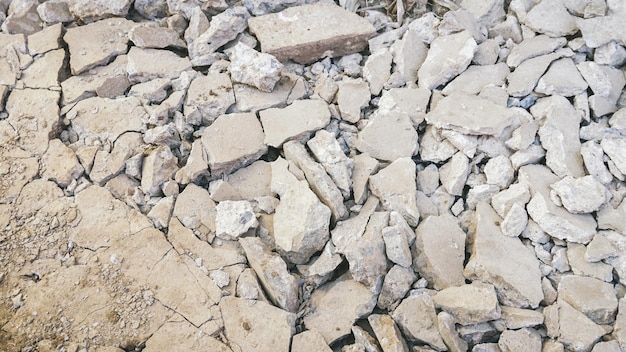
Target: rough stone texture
60	164
85	52
449	335
523	80
309	38
562	78
328	152
520	340
147	64
453	174
551	18
576	331
581	195
388	137
395	187
233	141
155	37
465	113
396	284
352	96
613	147
469	304
504	262
234	218
533	47
387	333
448	56
297	236
337	306
90	11
377	70
516	318
256	69
319	181
294	121
554	220
208	97
439	251
592	297
280	285
309	341
254	325
223	28
417	319
157	167
411	101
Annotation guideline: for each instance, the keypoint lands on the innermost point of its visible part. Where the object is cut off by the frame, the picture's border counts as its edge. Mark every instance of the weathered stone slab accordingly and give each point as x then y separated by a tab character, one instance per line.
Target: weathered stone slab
469	304
471	115
504	262
448	56
97	43
207	98
388	136
554	220
145	64
296	120
395	187
314	31
233	141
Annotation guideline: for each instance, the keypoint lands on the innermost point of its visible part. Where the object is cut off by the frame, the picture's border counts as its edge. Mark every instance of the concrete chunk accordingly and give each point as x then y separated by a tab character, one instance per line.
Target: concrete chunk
595	298
417	319
387	333
87	52
253	68
580	195
439	251
395	187
466	114
328	152
352	96
280	285
233	141
504	262
448	56
296	120
388	136
315	31
469	304
147	64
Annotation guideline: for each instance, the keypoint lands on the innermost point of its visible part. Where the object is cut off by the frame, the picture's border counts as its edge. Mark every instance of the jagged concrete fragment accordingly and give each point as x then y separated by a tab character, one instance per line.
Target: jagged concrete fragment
560	123
601	30
448	56
346	232
195	209
155	37
250	324
309	341
554	220
614	148
409	54
323	266
516	318
105	81
466	114
387	333
107	119
301	221
395	187
363	339
364	166
593	297
294	121
107	165
234	218
439	251
551	18
280	285
562	78
417	319
580	195
352	96
318	179
533	47
44	71
576	331
453	174
397	246
524	339
366	254
89	11
315	31
147	64
475	78
377	70
336	306
233	141
60	164
593	158
523	80
499	171
223	28
85	52
208	97
515	221
157	167
410	101
449	335
328	152
504	262
580	266
396	284
253	68
388	136
469	304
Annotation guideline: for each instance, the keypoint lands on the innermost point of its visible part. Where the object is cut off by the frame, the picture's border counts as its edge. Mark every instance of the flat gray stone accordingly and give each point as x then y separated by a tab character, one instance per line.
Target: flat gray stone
294	121
448	56
388	136
395	186
467	114
310	32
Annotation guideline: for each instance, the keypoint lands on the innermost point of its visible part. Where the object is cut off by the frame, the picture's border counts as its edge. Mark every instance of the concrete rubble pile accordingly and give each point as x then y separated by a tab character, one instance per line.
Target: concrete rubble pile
292	175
